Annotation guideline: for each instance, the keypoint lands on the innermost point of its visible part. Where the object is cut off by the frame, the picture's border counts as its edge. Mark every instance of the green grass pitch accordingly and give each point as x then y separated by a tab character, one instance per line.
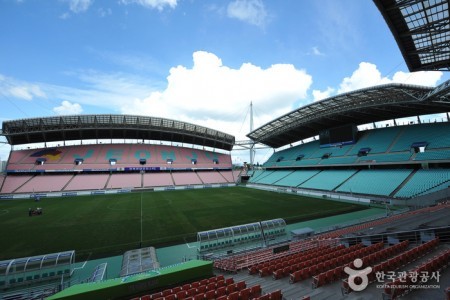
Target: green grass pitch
105	225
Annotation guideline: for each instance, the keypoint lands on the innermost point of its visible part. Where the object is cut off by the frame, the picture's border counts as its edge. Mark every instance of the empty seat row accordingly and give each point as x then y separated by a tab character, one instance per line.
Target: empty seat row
396	262
309	269
333	275
404	284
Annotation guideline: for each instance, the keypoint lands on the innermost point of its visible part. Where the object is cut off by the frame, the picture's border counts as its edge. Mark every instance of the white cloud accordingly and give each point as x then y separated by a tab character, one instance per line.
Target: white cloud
215	95
64	16
250	11
418	78
368	75
319	95
67	108
79	6
103	12
158	4
19	89
316	51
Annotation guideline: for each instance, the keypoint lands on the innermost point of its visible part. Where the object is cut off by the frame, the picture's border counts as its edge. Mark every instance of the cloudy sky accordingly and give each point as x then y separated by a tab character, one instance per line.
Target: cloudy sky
192	60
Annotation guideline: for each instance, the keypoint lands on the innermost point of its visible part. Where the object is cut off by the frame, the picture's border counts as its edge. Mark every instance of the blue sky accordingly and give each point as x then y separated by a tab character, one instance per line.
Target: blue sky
195	61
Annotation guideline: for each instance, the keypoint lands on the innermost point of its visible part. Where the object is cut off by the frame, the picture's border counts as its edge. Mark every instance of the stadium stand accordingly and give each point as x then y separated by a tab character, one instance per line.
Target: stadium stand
328	179
274	177
87	182
378	140
185	178
99	156
423	181
375	182
158	179
296	178
433	155
437	135
132	180
213	177
41	183
12	183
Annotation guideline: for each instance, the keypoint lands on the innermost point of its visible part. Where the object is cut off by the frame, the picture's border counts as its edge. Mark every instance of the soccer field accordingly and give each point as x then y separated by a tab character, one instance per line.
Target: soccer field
106	225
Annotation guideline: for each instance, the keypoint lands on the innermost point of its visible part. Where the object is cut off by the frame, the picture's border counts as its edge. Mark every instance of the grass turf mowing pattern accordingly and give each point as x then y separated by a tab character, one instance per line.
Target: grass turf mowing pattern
104	225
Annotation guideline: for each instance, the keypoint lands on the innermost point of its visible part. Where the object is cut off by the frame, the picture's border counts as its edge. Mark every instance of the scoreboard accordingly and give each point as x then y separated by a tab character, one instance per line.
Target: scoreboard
342	135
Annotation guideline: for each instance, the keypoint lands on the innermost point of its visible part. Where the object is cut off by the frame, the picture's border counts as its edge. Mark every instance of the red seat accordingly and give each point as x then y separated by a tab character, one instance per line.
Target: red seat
211	286
201	289
186	286
192	292
233	296
146	297
199	296
156	295
245	294
276	295
182	295
255	291
176	290
229	281
330	276
231	288
210	295
166	293
220	283
240	285
170	297
221	291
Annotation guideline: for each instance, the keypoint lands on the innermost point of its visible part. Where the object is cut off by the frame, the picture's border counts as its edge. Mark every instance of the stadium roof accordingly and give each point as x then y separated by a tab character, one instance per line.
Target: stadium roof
384	102
422	31
86	127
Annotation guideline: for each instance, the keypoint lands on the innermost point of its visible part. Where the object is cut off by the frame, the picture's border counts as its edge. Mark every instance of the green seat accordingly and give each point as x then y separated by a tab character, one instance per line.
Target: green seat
29	278
20	279
45	275
52	274
12	281
36	276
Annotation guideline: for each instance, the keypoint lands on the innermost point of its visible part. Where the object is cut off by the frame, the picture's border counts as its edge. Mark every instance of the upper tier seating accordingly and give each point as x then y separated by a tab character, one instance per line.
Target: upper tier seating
387	145
378	140
125	155
433	155
437	135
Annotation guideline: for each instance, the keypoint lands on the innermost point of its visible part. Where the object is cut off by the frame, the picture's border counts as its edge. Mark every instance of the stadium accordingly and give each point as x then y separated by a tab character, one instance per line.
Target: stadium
348	206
